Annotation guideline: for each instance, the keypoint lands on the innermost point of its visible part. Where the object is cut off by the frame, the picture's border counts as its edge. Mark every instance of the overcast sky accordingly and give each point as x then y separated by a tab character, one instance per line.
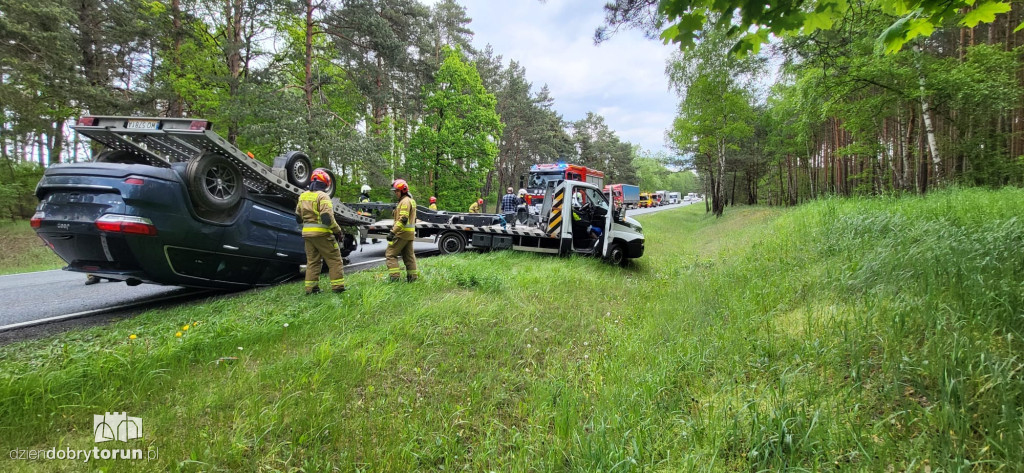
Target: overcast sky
623	79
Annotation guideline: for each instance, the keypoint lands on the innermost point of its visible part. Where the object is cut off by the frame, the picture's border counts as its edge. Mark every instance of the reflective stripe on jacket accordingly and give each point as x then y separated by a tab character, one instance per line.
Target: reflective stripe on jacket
311	205
405	218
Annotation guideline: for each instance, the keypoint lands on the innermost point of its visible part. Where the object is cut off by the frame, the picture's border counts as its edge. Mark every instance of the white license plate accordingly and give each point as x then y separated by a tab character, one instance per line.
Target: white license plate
142	124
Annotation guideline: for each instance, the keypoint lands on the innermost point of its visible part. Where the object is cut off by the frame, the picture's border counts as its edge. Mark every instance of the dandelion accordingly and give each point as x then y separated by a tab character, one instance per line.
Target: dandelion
195	324
286	325
178	334
239	348
186	327
585	343
527	345
132	337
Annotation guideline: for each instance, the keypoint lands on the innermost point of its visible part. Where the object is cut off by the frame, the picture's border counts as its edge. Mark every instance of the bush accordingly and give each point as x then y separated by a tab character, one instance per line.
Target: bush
17	187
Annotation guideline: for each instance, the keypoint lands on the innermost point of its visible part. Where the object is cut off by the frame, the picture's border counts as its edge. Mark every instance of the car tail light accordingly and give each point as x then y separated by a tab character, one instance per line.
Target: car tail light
88	121
134	181
199	125
37	219
126	224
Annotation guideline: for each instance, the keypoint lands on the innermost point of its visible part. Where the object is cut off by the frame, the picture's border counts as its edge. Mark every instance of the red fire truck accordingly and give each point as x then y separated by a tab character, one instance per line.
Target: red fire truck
543	175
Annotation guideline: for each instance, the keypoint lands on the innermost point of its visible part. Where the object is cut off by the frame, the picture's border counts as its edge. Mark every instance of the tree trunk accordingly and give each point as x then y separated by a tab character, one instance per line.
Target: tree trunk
233	14
176	105
926	113
307	86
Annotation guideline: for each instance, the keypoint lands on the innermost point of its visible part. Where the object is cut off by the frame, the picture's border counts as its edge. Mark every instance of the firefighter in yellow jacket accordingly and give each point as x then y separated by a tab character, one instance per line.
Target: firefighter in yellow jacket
321	234
402	234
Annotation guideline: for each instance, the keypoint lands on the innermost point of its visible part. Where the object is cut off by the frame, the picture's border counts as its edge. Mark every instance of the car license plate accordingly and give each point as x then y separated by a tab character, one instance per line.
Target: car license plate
142	124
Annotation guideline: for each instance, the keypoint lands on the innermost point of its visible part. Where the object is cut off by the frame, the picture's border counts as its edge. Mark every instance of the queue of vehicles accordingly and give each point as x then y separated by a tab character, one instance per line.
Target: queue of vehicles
168	201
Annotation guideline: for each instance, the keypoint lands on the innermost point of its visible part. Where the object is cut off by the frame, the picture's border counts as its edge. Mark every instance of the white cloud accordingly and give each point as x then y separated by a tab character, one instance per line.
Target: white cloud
623	79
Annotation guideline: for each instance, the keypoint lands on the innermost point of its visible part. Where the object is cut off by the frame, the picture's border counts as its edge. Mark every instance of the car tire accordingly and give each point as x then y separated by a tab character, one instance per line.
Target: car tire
214	182
118	156
617	255
298	168
451	243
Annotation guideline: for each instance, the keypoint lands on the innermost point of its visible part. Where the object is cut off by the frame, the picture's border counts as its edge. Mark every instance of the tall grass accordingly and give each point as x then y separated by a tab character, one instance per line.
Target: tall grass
869	335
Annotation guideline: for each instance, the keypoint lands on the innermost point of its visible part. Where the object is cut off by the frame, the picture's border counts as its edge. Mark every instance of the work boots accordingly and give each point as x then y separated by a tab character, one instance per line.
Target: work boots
315	290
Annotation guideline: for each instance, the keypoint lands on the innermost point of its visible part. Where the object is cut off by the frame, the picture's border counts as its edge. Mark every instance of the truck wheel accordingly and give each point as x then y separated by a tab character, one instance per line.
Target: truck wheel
118	156
451	243
214	182
616	255
298	168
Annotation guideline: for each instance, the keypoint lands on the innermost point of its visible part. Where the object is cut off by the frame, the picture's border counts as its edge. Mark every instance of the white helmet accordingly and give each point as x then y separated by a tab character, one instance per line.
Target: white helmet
365	189
522	192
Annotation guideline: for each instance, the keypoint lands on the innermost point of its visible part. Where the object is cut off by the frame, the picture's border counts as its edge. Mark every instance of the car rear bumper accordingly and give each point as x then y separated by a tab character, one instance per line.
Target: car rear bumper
259	245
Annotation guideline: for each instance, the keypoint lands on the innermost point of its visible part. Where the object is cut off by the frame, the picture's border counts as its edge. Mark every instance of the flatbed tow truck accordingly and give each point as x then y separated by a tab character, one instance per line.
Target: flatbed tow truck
589	227
171	202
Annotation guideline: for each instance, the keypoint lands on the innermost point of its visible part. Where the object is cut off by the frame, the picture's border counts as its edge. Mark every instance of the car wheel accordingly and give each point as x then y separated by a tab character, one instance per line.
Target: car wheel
119	157
451	243
298	168
616	255
214	182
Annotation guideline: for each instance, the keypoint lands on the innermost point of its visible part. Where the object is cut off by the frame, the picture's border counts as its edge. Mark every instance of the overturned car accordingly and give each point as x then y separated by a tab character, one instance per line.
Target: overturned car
171	202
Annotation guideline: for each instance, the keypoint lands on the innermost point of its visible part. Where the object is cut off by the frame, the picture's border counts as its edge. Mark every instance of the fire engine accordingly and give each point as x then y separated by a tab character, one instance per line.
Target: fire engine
541	175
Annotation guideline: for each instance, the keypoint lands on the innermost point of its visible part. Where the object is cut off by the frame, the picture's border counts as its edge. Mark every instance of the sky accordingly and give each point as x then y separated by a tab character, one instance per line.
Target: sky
622	79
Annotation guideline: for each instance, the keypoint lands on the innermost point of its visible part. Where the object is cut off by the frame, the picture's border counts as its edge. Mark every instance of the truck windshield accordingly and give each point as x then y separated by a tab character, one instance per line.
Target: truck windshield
540	180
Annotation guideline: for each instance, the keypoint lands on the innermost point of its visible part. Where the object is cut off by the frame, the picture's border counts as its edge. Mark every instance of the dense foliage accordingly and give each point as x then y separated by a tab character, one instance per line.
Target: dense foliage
348	82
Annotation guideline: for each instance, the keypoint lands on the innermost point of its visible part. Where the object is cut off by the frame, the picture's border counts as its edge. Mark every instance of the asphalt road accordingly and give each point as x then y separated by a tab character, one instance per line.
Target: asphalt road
635	212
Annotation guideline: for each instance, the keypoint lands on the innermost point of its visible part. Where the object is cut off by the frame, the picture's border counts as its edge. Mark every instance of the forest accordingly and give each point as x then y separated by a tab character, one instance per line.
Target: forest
363	86
378	89
866	97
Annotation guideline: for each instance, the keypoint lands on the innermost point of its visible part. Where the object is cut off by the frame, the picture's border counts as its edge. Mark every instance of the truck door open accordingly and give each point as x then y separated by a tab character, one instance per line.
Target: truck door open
608	220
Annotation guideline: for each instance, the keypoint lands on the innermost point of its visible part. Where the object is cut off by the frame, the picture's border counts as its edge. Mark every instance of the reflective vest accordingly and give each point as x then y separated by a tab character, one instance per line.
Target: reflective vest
405	218
311	205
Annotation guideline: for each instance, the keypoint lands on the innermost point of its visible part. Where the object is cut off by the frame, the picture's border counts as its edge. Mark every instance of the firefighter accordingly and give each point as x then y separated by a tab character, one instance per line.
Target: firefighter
402	234
321	234
433	203
364	197
474	208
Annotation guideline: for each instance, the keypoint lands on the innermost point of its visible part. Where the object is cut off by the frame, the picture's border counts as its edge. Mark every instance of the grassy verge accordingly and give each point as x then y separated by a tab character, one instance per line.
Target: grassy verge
21	251
866	335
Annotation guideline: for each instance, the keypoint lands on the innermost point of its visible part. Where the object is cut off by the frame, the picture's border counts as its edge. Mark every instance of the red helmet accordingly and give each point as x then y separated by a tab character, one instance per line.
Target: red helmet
433	200
400	185
479	201
322	176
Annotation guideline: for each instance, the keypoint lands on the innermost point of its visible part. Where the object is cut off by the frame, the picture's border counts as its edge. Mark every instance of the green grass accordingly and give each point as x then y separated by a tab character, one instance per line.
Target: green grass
863	334
21	251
